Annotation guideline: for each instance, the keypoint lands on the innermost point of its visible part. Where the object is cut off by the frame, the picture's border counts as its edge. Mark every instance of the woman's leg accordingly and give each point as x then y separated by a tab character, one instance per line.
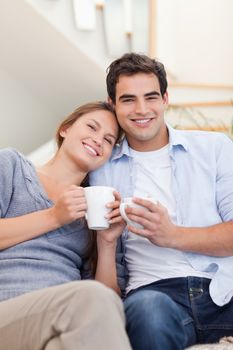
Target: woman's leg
78	315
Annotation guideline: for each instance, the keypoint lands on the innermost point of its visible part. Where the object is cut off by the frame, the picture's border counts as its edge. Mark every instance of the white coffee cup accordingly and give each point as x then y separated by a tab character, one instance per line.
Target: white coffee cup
128	202
97	197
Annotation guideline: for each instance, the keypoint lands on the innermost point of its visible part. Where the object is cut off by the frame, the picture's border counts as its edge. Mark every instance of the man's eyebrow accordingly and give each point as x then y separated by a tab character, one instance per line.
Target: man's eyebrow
126	96
152	93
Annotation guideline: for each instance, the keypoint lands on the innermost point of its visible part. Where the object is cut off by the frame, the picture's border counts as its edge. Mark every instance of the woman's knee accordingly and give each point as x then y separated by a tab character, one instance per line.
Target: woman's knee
95	293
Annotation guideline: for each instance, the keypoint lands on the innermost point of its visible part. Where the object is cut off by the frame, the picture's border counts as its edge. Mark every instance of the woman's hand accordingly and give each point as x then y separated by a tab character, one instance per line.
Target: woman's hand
70	206
117	224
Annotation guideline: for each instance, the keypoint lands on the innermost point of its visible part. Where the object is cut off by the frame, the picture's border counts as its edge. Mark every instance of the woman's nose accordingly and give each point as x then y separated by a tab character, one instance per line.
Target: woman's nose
98	140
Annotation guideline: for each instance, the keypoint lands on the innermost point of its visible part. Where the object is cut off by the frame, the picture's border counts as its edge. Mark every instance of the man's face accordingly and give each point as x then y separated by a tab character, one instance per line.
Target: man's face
140	111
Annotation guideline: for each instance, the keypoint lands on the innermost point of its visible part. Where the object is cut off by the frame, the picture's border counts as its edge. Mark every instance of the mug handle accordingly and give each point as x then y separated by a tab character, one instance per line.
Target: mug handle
123	213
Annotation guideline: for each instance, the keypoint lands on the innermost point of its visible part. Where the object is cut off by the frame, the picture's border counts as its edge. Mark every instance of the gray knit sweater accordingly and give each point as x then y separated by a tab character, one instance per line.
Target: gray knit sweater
53	258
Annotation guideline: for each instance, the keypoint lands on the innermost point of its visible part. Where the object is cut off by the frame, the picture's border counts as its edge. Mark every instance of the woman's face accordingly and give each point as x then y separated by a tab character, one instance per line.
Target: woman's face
90	140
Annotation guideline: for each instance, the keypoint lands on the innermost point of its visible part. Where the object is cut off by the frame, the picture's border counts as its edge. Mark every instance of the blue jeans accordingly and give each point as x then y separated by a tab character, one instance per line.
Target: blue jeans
175	313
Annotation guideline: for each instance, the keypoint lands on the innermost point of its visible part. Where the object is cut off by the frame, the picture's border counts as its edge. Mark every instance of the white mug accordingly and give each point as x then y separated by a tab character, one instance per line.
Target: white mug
97	197
128	202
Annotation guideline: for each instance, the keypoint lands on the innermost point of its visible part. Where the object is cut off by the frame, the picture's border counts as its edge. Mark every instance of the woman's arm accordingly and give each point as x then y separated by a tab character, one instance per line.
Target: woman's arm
106	247
106	264
70	206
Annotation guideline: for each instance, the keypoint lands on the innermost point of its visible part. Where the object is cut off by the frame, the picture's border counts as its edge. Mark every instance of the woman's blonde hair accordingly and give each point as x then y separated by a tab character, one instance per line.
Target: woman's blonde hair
77	113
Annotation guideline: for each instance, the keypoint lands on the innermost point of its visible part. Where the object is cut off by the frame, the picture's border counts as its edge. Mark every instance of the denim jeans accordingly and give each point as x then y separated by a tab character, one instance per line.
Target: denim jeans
174	313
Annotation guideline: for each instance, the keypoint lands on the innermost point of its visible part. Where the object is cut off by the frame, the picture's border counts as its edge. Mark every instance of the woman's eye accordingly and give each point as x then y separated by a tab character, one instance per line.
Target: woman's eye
109	141
91	127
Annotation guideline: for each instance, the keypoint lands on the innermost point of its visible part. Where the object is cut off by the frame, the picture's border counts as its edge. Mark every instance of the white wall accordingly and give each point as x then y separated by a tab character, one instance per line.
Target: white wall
43	76
18	110
60	14
195	39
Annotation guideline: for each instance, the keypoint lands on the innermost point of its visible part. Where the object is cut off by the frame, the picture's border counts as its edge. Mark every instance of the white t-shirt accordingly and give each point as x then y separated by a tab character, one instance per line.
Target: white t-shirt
147	262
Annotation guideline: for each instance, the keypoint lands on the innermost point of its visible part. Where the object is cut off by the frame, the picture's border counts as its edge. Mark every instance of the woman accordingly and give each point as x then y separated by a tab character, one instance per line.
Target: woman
44	238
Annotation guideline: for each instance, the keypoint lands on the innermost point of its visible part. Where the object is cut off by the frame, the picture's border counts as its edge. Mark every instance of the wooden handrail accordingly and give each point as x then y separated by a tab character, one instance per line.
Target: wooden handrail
206	128
152	52
152	28
202	104
200	85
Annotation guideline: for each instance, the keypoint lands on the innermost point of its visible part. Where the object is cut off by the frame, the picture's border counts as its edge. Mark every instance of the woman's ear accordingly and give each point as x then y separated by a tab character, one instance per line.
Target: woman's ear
64	131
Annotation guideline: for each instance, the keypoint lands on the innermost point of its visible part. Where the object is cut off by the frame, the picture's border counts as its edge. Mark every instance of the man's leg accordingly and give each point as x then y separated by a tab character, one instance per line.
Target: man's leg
155	322
78	315
213	322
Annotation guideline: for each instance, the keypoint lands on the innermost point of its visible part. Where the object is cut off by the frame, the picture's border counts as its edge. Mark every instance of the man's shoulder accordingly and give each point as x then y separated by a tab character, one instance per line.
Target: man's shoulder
193	137
196	133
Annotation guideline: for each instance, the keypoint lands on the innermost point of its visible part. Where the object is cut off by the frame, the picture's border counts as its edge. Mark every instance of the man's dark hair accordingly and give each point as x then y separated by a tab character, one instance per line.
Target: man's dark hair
130	64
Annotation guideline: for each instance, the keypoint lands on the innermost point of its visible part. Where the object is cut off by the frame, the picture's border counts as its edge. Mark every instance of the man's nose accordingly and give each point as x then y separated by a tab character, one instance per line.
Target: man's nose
141	107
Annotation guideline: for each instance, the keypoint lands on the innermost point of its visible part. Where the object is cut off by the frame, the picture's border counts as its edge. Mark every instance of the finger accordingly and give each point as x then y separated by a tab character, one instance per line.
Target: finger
141	212
149	222
147	203
112	214
74	188
78	207
137	231
80	214
116	203
116	220
113	205
78	193
117	196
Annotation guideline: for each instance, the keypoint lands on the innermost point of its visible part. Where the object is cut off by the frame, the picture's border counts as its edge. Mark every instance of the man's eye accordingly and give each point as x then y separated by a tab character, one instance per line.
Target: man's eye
152	98
127	100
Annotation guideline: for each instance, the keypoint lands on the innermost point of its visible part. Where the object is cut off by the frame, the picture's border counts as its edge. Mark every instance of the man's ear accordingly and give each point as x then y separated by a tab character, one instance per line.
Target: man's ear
165	98
110	102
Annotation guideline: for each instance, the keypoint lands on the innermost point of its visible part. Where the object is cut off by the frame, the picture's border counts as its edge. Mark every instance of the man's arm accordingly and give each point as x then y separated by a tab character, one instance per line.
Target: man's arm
216	240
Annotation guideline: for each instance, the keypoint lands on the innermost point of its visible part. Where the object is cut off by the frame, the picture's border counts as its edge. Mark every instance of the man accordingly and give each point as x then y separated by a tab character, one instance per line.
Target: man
180	265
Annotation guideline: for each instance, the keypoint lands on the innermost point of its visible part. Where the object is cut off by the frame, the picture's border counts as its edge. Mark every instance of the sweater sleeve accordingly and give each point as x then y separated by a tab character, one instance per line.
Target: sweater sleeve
7	164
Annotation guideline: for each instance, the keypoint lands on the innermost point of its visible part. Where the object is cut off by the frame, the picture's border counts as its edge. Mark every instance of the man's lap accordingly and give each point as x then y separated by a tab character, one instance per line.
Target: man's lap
204	321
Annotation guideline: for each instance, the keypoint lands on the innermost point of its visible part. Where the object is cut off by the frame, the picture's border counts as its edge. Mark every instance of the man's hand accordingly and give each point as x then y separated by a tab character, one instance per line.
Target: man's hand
158	227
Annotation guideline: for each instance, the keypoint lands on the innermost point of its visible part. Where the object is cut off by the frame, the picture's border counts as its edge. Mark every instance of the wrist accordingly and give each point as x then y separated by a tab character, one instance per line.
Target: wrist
52	218
102	242
177	240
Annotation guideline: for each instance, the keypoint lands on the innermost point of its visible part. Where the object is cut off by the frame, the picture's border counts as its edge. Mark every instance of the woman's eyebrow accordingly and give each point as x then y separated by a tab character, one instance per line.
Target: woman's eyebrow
99	125
95	121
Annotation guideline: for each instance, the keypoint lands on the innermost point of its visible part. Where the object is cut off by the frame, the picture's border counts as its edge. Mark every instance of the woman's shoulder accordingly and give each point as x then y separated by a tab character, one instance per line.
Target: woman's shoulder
10	153
9	157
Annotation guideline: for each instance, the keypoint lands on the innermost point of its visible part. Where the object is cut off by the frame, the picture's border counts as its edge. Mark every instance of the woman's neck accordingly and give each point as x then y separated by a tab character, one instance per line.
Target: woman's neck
61	172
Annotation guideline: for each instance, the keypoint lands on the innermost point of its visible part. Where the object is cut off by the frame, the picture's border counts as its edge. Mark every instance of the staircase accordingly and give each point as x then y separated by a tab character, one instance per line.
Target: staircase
53	60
